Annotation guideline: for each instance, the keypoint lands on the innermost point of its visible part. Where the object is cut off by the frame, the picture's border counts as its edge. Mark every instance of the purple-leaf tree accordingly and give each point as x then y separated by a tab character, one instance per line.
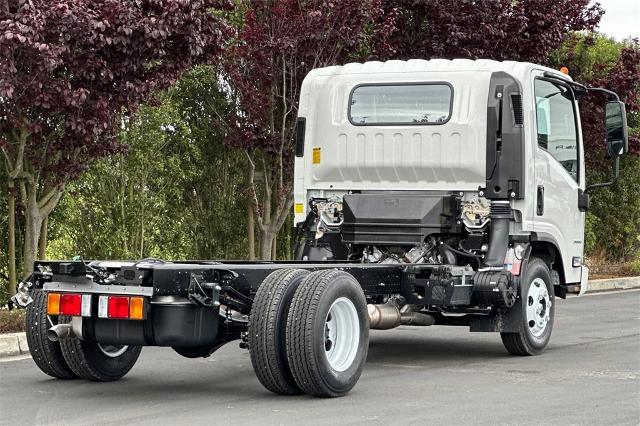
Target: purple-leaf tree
71	70
279	43
526	30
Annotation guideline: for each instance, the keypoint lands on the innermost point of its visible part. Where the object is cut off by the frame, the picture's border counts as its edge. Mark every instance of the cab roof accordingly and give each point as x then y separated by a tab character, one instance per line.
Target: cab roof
517	69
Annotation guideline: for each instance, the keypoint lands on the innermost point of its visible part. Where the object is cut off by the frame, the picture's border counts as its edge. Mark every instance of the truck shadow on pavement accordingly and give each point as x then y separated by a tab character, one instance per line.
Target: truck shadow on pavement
409	347
229	373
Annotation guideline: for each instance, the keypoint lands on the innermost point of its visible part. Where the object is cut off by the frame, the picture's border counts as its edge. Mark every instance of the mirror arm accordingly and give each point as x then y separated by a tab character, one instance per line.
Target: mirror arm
616	174
606	91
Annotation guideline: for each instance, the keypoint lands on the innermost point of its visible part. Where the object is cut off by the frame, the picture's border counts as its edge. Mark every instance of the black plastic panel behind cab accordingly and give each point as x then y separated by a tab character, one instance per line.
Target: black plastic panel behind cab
395	218
505	139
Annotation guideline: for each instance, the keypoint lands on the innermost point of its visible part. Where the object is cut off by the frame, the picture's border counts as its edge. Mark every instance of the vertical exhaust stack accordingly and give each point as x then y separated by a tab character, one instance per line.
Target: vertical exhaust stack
500	215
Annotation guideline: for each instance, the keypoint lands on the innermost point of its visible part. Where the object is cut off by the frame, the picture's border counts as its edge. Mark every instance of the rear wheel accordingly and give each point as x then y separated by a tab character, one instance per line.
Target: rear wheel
327	333
266	333
97	361
46	354
538	310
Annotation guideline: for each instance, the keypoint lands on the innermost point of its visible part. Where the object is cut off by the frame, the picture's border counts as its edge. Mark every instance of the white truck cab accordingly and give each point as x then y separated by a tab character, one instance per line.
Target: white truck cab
484	132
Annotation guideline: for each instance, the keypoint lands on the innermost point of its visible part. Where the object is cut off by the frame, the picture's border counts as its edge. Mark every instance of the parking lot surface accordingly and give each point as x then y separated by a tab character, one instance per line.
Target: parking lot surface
590	374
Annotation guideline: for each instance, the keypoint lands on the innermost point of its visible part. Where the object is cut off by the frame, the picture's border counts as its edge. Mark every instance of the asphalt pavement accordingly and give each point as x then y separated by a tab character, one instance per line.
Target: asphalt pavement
590	374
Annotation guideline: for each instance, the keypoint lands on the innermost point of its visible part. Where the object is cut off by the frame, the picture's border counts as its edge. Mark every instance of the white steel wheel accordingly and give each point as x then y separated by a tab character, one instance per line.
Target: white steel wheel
534	310
327	334
538	307
112	351
342	334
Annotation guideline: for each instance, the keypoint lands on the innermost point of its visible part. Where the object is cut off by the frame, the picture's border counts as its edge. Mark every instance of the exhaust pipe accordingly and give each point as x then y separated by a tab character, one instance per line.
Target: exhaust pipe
417	318
60	331
387	316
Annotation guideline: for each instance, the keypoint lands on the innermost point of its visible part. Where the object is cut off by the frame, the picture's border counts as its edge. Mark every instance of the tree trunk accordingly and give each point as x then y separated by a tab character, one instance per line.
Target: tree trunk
12	238
251	233
36	211
33	224
266	245
274	247
42	246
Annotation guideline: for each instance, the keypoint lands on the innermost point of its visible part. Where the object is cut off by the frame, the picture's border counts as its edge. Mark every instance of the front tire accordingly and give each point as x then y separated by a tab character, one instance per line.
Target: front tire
328	333
537	311
98	362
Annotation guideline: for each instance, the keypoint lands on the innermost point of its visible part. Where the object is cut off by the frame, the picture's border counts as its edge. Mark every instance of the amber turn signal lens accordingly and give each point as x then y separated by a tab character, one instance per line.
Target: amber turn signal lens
564	70
136	308
53	304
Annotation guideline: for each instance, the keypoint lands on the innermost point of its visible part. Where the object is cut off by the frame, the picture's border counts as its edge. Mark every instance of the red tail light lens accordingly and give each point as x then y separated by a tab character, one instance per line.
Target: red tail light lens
118	307
71	304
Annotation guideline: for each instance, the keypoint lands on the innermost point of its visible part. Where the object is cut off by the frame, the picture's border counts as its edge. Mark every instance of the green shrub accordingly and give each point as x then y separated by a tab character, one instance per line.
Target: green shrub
613	222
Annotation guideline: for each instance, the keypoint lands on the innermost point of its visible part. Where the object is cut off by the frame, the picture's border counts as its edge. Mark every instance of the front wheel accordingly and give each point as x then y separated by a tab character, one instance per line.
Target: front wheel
538	310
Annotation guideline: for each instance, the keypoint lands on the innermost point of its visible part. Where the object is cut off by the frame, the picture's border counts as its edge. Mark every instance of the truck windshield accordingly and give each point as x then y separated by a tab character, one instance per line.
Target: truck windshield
394	104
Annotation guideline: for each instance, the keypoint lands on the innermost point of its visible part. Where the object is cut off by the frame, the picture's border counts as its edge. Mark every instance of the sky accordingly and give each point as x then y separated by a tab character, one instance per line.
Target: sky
621	18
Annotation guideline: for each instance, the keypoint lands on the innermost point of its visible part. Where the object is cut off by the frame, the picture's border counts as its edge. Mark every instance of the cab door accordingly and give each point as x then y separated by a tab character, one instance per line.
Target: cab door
559	172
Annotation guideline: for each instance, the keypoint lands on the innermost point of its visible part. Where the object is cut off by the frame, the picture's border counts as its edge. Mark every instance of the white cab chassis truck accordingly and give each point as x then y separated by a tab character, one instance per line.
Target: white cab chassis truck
426	192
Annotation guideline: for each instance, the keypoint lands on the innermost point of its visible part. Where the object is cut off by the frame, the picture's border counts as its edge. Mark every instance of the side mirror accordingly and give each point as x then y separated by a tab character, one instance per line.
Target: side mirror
616	124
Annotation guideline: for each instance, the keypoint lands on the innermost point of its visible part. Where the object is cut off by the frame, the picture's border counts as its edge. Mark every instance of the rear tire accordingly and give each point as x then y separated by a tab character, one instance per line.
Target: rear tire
327	333
46	354
266	333
537	311
99	363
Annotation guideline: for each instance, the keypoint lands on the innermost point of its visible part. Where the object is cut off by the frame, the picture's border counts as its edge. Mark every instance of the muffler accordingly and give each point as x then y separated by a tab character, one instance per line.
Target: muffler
388	315
60	331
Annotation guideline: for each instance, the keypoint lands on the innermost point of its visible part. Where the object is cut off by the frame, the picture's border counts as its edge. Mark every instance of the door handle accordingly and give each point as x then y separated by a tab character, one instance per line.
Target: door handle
540	201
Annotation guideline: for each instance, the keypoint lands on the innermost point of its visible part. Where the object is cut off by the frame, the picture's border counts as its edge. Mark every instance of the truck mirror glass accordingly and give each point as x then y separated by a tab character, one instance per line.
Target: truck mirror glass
616	125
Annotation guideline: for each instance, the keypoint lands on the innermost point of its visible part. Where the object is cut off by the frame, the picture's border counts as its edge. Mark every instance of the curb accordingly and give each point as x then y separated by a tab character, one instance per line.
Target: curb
625	283
13	344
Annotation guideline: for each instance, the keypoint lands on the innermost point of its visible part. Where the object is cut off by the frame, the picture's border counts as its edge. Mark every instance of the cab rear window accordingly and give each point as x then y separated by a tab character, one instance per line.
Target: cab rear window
400	104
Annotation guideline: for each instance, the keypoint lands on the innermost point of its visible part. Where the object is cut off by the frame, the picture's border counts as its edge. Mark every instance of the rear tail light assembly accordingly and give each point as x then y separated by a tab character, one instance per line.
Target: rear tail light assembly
112	307
121	307
72	304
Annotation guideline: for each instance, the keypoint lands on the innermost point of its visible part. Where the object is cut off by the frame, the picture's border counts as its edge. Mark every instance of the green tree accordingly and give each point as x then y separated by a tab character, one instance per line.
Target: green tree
215	194
613	222
121	208
176	193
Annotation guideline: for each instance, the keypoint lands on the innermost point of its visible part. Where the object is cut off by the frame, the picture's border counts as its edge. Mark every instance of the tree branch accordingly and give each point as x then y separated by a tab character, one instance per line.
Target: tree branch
52	203
44	200
284	212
